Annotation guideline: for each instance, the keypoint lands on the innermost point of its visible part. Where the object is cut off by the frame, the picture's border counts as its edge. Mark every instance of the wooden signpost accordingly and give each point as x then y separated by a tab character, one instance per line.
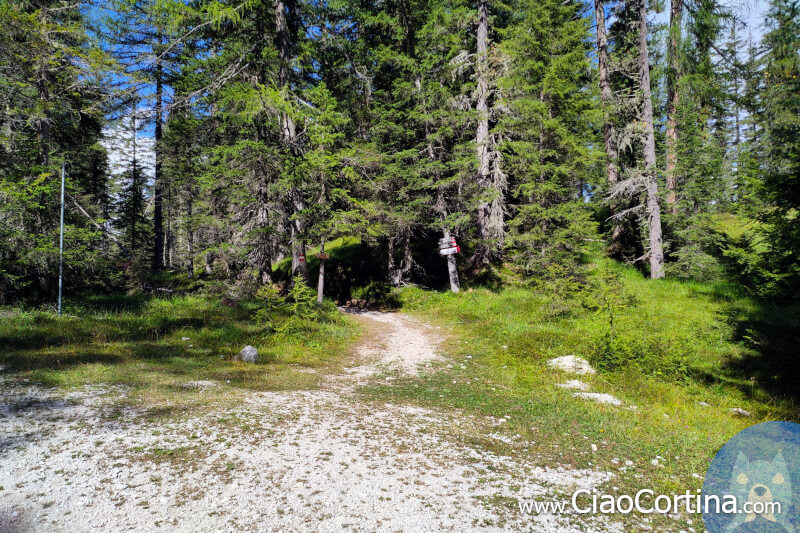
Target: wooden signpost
448	248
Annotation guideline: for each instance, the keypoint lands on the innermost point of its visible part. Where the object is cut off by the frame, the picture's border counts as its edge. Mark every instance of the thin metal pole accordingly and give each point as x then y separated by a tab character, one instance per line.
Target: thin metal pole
61	244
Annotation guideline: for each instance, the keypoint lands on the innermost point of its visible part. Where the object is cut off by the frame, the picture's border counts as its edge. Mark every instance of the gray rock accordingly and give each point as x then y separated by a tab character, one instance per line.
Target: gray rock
571	363
598	397
575	384
248	354
704	404
740	412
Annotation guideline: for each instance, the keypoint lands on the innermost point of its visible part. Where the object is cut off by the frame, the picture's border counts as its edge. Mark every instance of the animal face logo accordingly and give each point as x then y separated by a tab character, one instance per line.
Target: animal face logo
764	490
753	483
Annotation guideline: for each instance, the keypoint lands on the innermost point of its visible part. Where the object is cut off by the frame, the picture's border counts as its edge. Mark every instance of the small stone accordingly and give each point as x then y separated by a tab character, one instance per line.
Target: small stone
704	404
594	447
738	411
184	339
248	354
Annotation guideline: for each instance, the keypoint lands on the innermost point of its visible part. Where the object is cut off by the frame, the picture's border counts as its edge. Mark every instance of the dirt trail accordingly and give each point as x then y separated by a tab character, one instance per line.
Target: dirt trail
318	460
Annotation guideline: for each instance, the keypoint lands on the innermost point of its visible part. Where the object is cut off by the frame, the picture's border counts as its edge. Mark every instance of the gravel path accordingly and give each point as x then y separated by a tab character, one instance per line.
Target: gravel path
318	460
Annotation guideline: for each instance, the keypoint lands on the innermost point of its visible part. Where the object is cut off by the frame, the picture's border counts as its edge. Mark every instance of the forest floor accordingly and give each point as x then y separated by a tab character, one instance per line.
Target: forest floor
316	460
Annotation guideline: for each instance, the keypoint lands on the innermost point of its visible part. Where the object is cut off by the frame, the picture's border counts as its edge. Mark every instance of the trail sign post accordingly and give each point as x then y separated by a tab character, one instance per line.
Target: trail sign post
448	248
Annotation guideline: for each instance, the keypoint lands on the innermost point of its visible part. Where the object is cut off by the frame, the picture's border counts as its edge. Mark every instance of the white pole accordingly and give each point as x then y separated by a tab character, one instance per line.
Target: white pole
61	243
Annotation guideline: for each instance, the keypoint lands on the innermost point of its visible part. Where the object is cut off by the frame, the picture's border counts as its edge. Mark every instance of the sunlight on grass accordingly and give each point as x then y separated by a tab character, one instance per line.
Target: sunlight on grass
156	344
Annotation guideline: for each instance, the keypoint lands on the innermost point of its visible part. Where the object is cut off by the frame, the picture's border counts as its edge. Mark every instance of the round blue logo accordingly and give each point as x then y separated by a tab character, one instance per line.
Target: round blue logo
753	483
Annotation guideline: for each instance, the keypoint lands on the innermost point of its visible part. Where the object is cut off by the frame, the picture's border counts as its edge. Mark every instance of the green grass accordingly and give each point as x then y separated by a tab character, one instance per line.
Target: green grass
688	343
137	341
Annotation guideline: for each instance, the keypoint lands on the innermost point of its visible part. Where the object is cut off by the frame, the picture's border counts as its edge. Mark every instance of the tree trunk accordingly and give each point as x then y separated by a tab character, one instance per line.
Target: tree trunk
135	181
158	215
398	274
189	236
408	259
299	266
483	250
607	100
209	266
42	123
395	275
736	113
288	137
673	98
653	208
262	254
169	235
321	279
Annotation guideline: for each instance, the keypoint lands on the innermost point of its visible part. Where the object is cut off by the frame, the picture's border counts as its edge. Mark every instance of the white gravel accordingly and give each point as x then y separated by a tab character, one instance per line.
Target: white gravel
282	461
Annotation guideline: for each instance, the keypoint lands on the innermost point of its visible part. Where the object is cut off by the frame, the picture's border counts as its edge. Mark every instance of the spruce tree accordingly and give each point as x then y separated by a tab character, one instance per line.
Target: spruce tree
548	130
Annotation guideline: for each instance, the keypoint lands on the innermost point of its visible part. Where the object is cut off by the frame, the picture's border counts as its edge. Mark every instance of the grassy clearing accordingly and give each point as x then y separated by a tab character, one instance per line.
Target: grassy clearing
675	345
138	341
